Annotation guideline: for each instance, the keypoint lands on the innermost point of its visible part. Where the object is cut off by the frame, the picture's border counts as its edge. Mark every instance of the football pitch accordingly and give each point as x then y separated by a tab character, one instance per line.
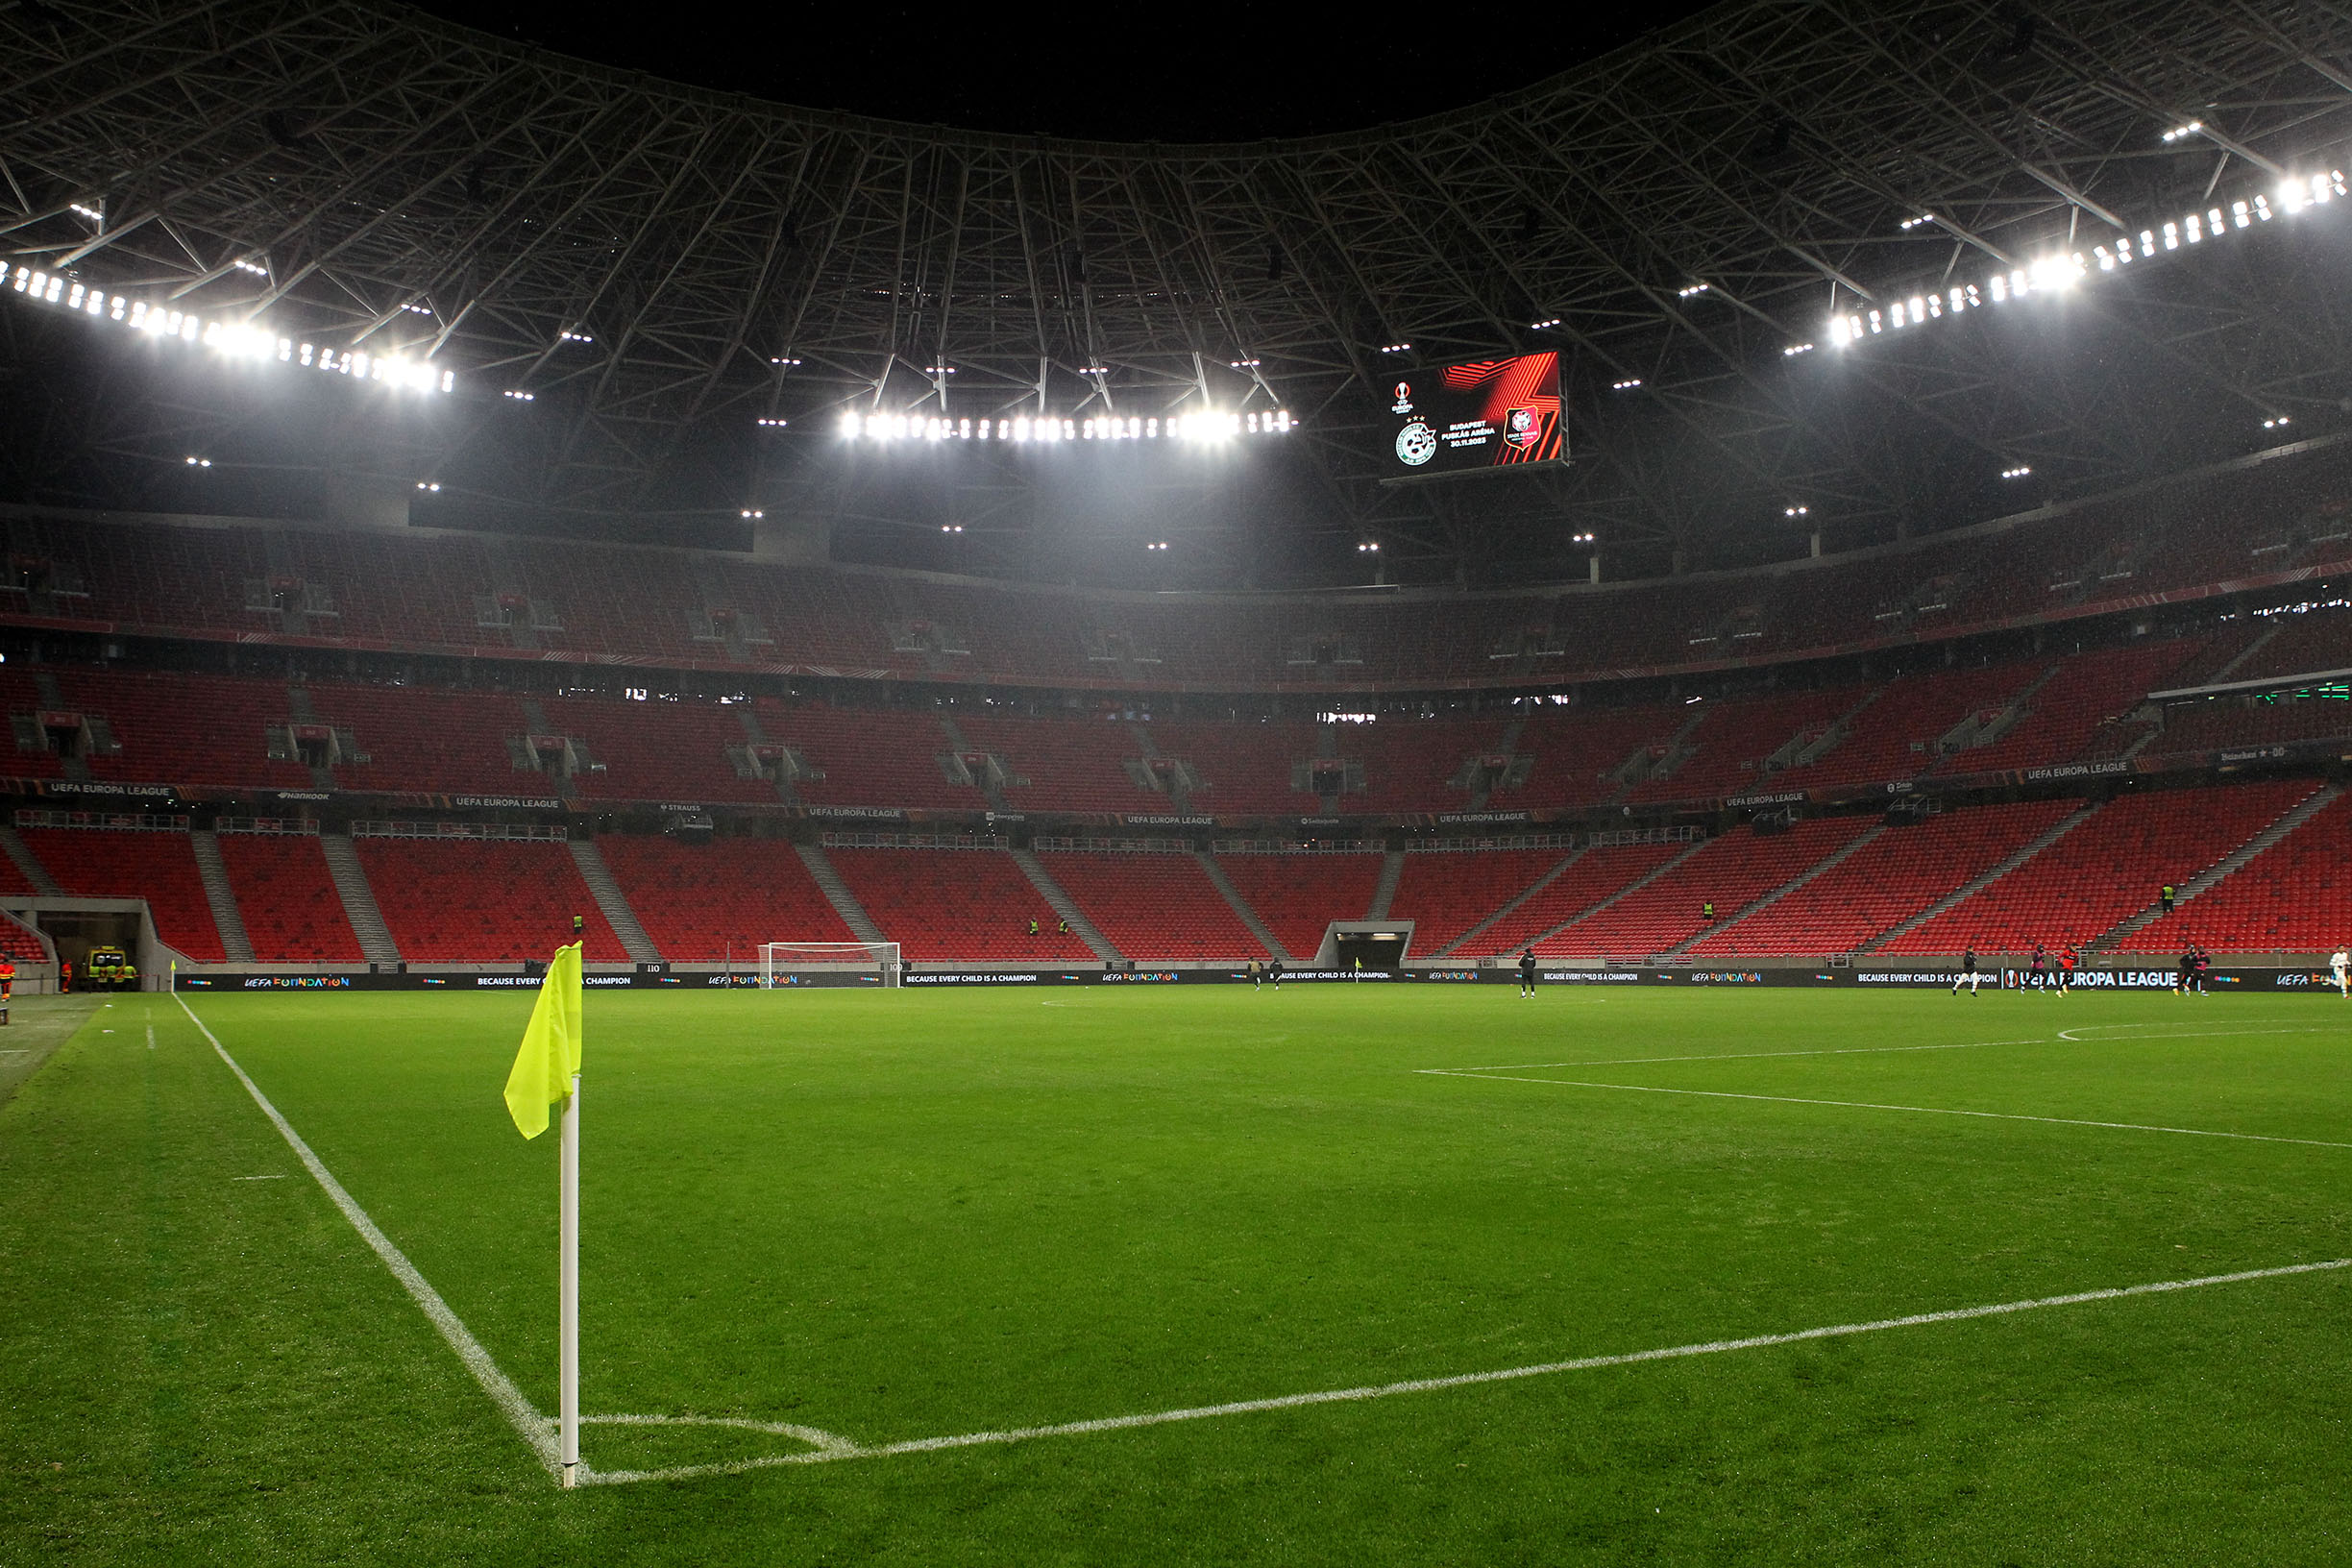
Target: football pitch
1360	1275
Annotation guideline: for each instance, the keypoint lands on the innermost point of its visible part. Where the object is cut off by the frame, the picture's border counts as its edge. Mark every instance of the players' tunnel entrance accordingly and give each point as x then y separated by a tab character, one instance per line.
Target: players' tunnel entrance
1378	949
78	931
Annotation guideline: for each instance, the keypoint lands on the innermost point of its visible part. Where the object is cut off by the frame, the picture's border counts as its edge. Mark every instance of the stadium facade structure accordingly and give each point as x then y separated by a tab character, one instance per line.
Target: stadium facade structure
667	273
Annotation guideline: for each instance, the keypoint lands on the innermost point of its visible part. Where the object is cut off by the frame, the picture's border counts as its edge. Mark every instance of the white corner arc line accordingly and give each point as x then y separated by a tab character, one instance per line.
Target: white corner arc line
1916	1109
535	1429
1466	1380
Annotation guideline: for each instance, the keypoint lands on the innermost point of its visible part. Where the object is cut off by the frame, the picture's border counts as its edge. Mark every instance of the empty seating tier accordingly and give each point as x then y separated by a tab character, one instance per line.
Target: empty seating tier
2105	869
1886	881
160	867
715	902
289	905
957	906
1154	908
1297	896
1731	872
1594	876
2293	897
1445	892
483	900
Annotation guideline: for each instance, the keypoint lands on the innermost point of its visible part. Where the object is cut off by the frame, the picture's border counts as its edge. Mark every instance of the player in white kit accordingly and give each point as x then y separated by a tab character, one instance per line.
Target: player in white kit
2337	961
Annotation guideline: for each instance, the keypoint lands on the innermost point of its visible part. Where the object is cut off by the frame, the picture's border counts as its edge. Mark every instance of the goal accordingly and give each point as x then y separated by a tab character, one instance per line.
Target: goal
779	961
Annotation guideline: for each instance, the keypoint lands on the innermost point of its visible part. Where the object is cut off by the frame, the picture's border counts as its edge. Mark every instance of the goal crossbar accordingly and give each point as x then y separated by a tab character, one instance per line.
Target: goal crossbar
783	958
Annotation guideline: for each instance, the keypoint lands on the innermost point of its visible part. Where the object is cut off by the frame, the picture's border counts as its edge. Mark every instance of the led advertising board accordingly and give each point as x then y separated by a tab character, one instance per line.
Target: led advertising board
1485	415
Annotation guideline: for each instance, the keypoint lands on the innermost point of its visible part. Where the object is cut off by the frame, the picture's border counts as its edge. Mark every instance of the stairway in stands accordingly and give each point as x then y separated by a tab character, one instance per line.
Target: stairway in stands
1248	917
222	897
1064	905
351	883
1982	880
612	901
837	894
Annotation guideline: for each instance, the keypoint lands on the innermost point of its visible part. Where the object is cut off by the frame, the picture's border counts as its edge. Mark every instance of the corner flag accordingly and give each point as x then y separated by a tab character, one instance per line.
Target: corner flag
547	1069
550	1054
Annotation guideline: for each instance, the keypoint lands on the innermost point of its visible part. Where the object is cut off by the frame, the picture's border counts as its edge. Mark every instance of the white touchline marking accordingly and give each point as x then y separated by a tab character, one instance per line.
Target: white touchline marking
1871	1105
1742	1056
1466	1380
280	1177
536	1430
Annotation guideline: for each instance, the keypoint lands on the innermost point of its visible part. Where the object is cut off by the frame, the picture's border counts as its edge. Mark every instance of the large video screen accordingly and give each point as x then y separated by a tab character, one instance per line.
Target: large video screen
1487	414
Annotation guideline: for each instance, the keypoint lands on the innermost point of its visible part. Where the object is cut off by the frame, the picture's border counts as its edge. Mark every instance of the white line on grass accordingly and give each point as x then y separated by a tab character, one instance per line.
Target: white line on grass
535	1429
1872	1105
2072	1034
538	1431
2075	1035
1466	1380
1742	1056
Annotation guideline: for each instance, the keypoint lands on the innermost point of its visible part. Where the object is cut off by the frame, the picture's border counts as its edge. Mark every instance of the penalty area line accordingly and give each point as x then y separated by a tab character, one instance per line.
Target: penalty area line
1466	1380
1872	1105
535	1430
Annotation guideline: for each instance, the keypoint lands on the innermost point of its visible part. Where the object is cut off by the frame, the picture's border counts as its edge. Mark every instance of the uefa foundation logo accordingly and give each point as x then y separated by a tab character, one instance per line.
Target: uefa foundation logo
1416	444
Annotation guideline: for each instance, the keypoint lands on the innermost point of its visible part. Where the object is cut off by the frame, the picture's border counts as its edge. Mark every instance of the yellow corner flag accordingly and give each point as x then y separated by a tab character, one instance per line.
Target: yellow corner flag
551	1052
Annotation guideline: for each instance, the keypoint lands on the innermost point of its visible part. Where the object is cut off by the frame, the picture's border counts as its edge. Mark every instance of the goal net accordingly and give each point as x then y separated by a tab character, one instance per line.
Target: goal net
779	961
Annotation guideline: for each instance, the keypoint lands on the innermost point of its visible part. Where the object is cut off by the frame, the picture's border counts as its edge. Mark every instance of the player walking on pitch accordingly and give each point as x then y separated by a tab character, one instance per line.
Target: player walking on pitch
1527	972
1968	972
2338	961
2068	958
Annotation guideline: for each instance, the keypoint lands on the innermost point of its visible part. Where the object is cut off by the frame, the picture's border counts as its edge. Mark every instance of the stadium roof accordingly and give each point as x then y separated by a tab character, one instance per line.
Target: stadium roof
668	272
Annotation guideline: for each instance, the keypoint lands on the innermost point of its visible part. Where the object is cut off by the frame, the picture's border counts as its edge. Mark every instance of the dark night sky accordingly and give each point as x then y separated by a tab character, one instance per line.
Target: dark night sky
1119	72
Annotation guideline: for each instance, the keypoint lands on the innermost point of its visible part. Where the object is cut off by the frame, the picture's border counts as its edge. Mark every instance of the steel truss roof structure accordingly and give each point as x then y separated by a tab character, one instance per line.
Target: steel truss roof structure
663	269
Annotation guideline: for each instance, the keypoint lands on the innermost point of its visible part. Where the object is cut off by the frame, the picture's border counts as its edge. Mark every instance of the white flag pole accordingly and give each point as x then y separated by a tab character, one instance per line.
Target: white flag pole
567	1397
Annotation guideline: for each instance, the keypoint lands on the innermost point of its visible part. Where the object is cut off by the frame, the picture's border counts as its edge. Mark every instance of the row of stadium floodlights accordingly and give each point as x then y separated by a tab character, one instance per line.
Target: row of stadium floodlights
2051	273
241	341
2055	274
1206	425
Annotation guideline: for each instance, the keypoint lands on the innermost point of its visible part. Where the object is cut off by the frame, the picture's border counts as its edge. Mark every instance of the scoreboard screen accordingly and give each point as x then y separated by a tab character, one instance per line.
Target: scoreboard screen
1487	414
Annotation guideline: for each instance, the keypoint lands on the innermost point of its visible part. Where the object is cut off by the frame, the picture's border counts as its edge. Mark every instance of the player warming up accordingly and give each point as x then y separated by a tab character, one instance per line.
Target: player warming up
2338	961
1527	972
1968	972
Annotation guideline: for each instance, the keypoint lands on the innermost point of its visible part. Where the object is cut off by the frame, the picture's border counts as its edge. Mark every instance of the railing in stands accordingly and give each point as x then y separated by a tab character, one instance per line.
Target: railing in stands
1617	836
1138	846
1298	846
265	824
119	821
1517	841
913	841
456	830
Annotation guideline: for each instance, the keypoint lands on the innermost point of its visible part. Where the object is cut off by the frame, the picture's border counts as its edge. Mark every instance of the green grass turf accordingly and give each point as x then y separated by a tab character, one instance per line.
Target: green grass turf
894	1216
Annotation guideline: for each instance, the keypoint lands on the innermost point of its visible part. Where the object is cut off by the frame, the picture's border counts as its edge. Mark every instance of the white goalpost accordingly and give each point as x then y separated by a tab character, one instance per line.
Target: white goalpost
779	961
